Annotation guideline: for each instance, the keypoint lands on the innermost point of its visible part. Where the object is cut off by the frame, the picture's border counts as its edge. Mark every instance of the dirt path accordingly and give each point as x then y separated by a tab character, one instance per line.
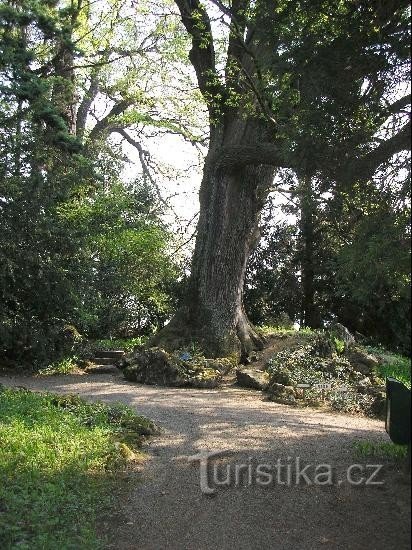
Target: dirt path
167	510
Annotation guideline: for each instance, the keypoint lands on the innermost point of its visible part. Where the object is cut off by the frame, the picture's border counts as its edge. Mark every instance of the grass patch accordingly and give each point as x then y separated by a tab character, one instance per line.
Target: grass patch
384	450
58	461
126	344
392	365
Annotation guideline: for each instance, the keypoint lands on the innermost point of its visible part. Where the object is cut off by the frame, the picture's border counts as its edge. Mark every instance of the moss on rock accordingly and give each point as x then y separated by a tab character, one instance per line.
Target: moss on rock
318	363
156	366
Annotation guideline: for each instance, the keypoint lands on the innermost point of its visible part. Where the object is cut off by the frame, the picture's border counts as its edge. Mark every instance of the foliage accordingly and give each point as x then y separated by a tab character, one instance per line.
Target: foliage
360	251
302	366
67	365
352	403
318	363
77	247
119	343
271	284
392	365
186	366
339	345
80	247
55	457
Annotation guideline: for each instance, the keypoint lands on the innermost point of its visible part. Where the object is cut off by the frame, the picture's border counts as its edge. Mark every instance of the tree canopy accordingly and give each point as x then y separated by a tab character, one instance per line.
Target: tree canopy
304	100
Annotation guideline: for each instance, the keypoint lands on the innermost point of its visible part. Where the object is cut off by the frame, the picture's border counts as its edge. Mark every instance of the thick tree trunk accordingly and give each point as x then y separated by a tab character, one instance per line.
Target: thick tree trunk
64	96
231	200
309	312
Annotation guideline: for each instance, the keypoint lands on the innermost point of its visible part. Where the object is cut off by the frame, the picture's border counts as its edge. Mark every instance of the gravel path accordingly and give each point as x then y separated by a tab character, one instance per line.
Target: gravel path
167	510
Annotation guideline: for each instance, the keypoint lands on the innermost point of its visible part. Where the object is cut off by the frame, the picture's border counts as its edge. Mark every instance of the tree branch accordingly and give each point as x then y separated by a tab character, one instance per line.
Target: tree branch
86	103
105	123
142	157
366	166
398	105
202	55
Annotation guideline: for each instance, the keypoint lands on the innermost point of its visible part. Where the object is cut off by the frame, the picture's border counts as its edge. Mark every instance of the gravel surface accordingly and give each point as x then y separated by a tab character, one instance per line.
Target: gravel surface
167	509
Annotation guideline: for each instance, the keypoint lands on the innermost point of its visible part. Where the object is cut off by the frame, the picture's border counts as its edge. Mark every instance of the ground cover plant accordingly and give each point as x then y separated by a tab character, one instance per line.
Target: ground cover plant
59	463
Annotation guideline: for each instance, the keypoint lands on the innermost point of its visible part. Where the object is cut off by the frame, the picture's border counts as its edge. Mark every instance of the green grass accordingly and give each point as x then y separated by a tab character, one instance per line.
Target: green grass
126	344
58	462
368	449
392	365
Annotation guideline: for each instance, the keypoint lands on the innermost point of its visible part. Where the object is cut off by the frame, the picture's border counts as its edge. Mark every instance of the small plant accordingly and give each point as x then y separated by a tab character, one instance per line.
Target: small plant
67	365
385	450
351	402
265	330
339	346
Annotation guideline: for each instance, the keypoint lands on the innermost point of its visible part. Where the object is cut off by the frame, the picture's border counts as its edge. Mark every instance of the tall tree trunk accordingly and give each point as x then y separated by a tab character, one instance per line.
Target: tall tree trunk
309	311
64	96
237	175
231	200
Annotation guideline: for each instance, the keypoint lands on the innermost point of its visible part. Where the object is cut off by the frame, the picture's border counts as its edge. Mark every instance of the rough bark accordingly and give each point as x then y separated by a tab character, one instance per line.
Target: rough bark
64	95
236	179
231	199
309	312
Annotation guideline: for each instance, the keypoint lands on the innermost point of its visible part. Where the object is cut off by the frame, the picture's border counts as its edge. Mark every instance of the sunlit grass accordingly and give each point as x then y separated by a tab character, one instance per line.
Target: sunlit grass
58	462
126	344
393	365
383	450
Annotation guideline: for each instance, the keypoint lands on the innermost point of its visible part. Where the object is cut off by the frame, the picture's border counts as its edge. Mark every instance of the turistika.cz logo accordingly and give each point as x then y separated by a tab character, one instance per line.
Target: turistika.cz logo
292	471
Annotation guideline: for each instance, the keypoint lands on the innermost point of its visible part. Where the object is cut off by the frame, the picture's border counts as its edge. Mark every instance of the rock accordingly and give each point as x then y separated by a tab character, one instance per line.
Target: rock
153	366
364	385
204	378
281	376
342	333
222	364
376	390
282	393
378	406
359	337
251	378
361	360
322	346
251	358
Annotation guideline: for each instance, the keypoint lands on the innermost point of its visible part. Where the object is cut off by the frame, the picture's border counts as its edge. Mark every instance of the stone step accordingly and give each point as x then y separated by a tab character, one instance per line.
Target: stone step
112	354
105	360
102	369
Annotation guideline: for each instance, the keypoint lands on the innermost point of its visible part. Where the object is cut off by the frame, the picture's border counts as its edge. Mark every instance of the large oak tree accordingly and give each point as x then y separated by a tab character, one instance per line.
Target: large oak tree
305	85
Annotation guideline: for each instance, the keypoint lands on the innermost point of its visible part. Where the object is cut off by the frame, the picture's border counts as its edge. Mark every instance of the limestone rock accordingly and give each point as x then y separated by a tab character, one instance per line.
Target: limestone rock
282	393
378	406
155	366
342	333
252	378
281	376
362	361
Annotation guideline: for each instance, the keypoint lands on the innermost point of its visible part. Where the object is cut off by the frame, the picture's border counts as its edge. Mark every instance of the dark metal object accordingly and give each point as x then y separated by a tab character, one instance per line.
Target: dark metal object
398	412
